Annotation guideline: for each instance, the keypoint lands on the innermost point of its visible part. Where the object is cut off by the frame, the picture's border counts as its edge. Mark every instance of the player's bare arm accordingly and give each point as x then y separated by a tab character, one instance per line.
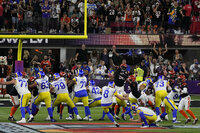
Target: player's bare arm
8	83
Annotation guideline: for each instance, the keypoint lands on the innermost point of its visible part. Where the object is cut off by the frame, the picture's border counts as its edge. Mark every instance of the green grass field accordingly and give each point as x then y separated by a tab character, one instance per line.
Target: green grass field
96	114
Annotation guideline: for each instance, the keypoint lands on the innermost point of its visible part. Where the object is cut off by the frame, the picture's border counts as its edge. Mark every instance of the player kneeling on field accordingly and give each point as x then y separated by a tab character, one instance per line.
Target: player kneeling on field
59	86
146	115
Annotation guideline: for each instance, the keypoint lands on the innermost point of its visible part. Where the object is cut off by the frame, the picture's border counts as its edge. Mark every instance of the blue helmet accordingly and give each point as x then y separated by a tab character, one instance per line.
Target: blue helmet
149	81
56	76
80	73
18	74
91	83
134	106
111	84
40	74
161	77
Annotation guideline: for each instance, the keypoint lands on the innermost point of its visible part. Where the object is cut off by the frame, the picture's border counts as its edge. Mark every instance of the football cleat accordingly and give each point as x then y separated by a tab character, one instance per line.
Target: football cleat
116	117
60	117
79	118
86	118
31	118
116	124
48	118
176	121
23	120
53	120
187	121
90	119
123	117
144	126
166	117
69	118
195	121
11	118
158	119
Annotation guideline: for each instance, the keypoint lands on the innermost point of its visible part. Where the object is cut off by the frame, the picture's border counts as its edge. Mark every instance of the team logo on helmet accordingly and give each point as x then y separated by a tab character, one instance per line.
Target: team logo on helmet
18	74
40	74
56	76
134	106
149	81
111	84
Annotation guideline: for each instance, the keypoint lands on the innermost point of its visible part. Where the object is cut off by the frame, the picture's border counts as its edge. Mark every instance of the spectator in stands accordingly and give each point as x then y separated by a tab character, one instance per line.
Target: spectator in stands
52	59
152	67
75	23
62	67
99	72
111	13
178	56
187	18
14	16
105	57
136	16
91	7
144	68
82	54
1	16
184	70
103	66
65	23
7	15
91	68
175	67
10	59
86	69
29	18
101	24
194	69
93	23
55	13
157	16
27	60
46	64
37	12
160	53
46	10
115	56
35	65
128	16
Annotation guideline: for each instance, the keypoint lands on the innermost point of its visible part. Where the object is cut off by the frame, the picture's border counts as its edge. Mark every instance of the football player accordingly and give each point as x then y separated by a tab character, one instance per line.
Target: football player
185	100
106	102
160	87
94	92
42	84
147	116
59	86
21	86
81	93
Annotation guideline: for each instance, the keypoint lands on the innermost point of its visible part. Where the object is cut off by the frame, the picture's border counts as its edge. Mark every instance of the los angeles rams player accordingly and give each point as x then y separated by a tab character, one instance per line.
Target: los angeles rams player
106	102
42	84
160	87
21	86
59	86
94	92
146	115
81	93
170	105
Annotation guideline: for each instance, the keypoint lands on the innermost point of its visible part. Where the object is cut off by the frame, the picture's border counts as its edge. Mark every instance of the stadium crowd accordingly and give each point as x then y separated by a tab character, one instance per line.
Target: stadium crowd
104	16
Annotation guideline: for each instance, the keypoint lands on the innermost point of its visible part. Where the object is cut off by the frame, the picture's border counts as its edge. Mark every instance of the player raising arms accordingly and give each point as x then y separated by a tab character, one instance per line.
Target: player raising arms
59	86
42	84
21	86
81	93
185	99
106	102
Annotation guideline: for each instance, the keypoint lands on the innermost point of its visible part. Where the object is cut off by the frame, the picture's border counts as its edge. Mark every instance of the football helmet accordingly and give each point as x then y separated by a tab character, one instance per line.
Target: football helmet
111	84
40	74
134	106
18	74
56	76
80	73
91	83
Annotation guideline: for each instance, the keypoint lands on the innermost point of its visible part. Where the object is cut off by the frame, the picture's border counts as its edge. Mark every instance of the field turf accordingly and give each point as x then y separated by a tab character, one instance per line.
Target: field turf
96	114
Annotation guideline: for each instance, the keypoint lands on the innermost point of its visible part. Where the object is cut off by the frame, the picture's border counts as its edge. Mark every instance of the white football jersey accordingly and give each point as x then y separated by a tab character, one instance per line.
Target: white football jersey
80	83
173	95
107	95
21	86
94	92
60	86
146	110
160	85
42	84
